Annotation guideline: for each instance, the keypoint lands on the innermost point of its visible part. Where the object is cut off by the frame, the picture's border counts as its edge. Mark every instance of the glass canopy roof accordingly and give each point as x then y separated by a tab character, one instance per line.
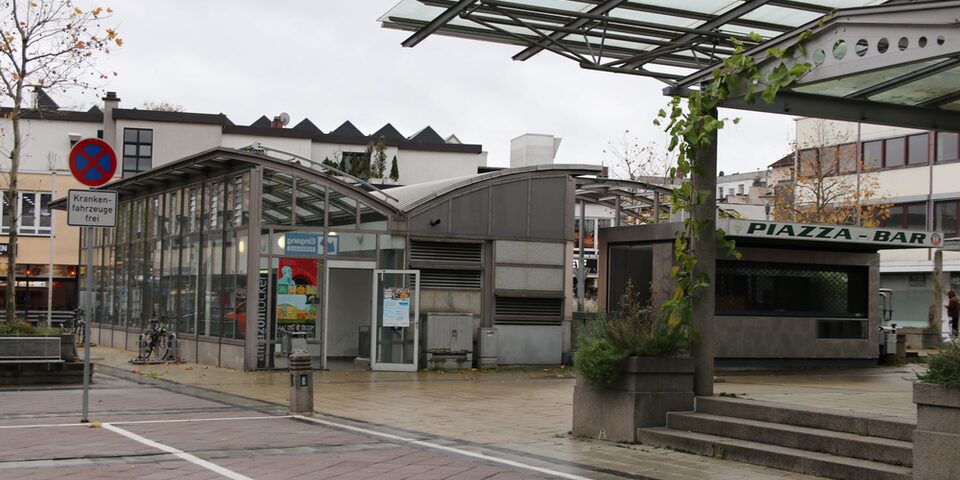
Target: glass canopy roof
665	39
895	62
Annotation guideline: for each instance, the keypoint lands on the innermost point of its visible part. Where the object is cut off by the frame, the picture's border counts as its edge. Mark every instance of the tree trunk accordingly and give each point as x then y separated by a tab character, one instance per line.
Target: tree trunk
13	217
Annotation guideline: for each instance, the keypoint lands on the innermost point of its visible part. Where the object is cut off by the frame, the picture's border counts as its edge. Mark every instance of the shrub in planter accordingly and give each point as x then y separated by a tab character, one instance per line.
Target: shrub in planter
631	372
19	327
943	367
636	330
937	396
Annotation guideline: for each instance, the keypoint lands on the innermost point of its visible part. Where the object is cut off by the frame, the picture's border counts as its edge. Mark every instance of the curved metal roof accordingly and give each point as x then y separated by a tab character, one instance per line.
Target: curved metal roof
411	197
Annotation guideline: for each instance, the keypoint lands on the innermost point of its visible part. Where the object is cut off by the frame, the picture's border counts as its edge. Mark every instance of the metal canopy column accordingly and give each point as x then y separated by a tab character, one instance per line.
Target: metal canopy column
705	246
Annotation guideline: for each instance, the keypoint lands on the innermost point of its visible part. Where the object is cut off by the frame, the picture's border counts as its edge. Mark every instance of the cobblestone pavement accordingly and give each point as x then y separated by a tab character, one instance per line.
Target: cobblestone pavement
521	415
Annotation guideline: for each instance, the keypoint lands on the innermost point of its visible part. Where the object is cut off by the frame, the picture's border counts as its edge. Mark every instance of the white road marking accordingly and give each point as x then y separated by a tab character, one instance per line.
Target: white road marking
47	425
445	448
178	453
187	420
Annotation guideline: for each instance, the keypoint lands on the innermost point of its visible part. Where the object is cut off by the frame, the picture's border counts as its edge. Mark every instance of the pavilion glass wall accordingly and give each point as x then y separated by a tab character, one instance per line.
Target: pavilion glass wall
179	254
346	224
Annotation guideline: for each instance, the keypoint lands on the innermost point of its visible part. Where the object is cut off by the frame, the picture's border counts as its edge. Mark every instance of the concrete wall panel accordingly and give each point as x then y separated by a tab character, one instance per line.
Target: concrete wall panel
528	278
529	344
532	253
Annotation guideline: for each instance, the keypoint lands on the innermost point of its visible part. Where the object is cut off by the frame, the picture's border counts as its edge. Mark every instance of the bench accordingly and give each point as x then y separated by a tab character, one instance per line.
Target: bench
30	349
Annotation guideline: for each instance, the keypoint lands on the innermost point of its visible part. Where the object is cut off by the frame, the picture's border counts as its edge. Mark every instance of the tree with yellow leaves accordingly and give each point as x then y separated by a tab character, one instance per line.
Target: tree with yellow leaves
828	188
45	45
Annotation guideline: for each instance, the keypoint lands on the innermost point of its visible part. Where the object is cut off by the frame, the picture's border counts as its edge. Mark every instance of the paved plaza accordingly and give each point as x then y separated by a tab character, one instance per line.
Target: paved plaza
196	422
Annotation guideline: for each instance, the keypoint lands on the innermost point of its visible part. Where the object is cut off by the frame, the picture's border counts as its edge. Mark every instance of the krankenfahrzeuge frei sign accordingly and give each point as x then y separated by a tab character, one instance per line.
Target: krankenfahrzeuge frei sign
892	238
92	208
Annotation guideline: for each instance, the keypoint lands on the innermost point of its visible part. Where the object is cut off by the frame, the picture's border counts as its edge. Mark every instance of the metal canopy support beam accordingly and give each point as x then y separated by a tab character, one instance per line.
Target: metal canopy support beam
578	23
703	304
853	110
436	23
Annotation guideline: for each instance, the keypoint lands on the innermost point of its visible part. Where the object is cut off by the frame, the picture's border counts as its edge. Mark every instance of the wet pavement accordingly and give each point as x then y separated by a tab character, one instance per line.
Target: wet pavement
502	424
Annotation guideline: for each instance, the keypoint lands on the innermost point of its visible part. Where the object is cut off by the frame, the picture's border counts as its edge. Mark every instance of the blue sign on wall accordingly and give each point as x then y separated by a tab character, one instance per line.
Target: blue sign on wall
333	245
296	243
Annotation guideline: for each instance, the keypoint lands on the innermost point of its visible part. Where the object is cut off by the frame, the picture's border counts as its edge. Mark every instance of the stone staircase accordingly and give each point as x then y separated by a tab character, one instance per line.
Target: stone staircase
812	442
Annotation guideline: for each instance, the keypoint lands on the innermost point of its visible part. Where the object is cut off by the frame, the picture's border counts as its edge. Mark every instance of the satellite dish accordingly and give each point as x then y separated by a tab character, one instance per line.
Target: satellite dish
284	118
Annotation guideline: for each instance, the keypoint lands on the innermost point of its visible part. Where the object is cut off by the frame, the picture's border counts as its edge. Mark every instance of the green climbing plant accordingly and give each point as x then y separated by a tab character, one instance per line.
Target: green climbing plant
692	126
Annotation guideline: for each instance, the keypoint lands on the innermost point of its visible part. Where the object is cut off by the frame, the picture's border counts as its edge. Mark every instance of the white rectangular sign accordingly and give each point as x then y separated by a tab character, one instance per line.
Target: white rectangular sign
830	233
92	208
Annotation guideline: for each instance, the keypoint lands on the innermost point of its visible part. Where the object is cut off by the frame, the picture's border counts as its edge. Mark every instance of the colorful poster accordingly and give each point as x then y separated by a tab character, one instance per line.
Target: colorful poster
297	295
396	307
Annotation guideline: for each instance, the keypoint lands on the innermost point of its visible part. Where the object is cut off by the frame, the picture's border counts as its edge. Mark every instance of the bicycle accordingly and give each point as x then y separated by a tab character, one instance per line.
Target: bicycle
157	343
77	326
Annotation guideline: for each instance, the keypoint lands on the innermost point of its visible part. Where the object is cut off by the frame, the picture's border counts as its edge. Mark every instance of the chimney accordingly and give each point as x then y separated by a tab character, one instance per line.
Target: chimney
533	149
276	123
110	102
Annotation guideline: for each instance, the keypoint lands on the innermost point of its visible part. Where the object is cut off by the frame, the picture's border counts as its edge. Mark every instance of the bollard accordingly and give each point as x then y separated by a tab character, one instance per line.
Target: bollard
301	384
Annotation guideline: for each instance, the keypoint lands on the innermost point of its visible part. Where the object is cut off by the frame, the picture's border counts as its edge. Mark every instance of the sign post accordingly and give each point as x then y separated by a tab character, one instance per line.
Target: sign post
93	163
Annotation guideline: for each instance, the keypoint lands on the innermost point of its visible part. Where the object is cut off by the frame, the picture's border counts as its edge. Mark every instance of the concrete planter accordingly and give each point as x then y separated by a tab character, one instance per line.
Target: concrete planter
937	435
647	388
68	347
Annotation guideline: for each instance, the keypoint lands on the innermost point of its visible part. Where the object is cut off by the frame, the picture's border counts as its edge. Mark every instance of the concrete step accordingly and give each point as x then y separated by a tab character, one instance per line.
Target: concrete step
884	450
838	421
773	456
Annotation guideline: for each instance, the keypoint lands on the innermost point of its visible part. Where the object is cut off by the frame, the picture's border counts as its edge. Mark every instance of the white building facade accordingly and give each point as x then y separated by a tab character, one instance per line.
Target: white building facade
918	173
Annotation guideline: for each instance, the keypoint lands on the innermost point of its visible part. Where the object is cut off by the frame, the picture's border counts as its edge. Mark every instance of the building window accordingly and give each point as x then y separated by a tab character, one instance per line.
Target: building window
35	215
137	150
918	149
872	155
719	192
895	152
945	217
740	189
791	290
947	146
911	216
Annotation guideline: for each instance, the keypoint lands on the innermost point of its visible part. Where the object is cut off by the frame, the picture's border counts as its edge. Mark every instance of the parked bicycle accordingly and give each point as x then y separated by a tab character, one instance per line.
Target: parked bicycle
77	326
156	343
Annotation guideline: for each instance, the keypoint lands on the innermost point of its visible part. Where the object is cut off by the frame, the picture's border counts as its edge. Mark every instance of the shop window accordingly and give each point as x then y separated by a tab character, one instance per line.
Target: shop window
137	150
36	217
589	238
895	152
947	149
872	155
918	149
945	217
790	290
633	265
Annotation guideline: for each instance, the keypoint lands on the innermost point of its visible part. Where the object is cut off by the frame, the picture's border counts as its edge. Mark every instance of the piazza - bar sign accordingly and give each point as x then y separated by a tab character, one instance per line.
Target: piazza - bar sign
831	233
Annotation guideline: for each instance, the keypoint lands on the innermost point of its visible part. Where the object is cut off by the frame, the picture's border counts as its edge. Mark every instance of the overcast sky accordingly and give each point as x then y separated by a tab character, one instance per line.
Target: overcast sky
332	61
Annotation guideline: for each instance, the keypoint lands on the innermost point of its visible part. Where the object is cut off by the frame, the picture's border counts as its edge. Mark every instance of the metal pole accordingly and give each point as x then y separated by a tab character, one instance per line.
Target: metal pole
581	266
53	234
88	237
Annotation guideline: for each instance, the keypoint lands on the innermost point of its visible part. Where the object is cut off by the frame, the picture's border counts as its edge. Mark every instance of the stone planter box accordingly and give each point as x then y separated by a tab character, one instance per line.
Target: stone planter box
68	347
937	437
647	388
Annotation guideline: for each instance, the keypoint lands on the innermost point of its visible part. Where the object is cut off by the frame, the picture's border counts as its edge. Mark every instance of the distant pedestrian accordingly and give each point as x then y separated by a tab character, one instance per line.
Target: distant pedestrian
953	310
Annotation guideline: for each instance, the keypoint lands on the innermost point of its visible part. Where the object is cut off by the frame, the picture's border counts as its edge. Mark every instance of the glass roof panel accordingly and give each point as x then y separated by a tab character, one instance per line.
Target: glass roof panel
952	106
712	7
923	89
845	86
782	15
832	4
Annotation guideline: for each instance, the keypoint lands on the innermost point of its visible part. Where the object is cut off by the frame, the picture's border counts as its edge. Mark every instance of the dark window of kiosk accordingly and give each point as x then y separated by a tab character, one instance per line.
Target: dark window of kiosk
791	290
629	262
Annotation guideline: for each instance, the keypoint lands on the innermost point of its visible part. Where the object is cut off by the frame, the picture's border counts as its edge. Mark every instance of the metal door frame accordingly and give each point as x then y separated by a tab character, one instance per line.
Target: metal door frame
414	324
346	265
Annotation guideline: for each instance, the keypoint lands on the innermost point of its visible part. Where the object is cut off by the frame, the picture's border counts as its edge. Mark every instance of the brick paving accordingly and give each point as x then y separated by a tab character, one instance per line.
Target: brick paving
519	415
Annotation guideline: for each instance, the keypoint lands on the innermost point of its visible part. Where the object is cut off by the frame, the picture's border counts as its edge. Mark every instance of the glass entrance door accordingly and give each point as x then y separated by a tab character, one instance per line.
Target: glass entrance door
396	307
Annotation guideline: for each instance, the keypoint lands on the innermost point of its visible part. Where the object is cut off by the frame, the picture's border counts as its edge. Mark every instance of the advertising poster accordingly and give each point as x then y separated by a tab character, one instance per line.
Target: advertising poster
396	307
297	295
